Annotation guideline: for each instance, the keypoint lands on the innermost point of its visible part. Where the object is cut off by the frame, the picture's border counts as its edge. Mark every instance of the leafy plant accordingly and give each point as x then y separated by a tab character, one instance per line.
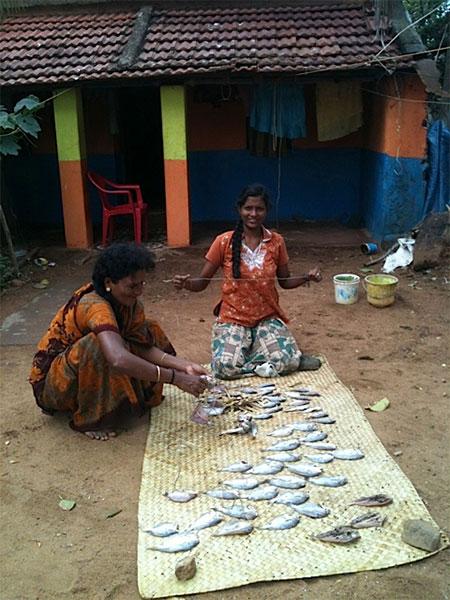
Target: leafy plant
19	124
6	270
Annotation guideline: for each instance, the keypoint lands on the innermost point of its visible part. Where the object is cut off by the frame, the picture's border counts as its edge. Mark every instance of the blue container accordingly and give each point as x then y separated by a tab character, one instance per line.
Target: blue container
369	248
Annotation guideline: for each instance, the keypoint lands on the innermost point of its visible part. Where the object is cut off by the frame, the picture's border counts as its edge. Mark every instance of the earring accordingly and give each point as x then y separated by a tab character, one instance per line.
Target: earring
108	289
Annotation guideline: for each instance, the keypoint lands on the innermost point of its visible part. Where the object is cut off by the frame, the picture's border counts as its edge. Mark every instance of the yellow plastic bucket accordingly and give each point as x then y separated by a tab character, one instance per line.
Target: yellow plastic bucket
380	289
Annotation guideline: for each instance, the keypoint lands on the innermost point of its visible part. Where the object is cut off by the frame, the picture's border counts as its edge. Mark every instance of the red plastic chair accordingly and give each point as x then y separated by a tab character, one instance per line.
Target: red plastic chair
120	199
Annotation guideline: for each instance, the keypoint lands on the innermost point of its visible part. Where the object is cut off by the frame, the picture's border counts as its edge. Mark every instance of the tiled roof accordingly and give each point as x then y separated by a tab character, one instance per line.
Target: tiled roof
61	47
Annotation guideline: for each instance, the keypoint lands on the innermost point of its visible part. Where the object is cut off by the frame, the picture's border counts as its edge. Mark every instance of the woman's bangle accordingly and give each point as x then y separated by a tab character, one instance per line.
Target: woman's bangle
158	374
172	379
162	358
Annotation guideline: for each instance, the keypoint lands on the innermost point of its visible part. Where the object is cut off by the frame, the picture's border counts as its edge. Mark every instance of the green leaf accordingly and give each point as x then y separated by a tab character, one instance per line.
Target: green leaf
28	124
67	504
379	406
9	145
30	103
366	270
5	121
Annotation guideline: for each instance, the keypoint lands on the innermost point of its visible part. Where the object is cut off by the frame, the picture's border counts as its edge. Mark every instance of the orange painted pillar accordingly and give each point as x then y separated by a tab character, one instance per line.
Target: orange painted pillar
173	113
72	168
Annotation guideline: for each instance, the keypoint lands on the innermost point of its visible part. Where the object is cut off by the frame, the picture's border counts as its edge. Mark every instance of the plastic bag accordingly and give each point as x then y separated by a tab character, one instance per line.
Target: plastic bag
402	257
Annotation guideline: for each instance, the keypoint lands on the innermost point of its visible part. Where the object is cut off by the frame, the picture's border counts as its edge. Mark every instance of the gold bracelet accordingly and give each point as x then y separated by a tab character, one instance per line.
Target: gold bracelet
158	374
162	358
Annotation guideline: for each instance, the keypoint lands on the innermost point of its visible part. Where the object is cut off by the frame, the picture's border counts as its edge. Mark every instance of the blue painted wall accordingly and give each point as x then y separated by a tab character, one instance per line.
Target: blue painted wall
316	184
392	194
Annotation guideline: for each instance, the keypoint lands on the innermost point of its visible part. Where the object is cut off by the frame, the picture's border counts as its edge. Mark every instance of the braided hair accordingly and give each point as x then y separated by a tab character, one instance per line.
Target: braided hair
255	190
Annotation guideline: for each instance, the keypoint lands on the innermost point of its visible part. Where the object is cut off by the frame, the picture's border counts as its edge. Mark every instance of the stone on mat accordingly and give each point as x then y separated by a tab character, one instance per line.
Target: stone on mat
421	534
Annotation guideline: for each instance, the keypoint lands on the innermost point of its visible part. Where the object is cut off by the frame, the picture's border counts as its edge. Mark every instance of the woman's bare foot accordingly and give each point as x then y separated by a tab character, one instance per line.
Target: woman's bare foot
100	435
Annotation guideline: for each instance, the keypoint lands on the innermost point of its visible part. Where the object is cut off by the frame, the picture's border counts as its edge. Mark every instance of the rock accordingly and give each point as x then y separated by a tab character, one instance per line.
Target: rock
186	568
421	534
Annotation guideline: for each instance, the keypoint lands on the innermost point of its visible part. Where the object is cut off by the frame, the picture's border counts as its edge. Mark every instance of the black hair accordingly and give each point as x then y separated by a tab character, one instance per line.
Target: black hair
119	261
257	190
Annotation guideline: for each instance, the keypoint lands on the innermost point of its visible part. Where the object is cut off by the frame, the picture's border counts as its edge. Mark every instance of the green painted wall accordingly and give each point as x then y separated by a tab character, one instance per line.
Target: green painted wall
173	113
69	125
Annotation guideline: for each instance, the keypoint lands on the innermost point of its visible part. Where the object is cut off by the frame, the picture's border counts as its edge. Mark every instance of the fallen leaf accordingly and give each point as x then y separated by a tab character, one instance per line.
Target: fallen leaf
67	504
365	357
41	285
379	406
112	513
366	270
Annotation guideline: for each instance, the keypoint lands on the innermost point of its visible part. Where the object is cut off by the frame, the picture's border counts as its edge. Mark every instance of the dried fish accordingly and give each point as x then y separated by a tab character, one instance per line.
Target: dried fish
238	511
289	482
267	468
284	457
262	493
312	510
320	446
304	469
296	409
339	535
283	445
320	458
179	542
368	520
330	481
248	390
377	500
313	409
282	431
237	467
235	528
314	436
162	529
262	416
301	426
208	519
348	454
222	494
321	414
282	522
291	498
214	411
325	420
273	409
243	484
268	403
181	495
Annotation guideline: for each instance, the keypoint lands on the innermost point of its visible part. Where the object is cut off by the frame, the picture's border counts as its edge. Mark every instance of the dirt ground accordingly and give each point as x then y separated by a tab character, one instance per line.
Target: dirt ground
401	352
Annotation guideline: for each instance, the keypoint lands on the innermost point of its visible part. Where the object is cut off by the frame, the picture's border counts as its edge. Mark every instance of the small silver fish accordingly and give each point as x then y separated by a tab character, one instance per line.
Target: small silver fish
248	390
222	494
313	409
314	436
208	519
237	467
312	510
289	482
262	416
275	398
282	431
328	481
304	469
267	468
267	403
162	529
181	495
296	409
282	522
214	411
339	535
238	511
179	542
301	390
289	498
242	484
300	402
273	409
321	446
283	445
368	520
348	454
377	500
325	420
284	457
320	458
235	528
262	493
300	426
321	414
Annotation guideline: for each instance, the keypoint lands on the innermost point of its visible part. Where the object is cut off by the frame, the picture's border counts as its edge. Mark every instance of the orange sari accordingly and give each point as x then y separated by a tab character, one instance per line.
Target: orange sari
70	372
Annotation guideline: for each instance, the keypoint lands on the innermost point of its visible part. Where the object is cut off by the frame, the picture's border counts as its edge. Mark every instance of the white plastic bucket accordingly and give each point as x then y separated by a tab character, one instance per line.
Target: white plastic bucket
346	287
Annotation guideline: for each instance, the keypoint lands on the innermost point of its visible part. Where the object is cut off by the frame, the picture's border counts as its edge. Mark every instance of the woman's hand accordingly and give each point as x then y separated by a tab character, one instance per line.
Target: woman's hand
315	275
192	384
179	281
195	369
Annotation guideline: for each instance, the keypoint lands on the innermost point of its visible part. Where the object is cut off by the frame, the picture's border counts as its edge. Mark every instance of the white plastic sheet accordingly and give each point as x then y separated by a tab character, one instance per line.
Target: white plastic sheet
402	257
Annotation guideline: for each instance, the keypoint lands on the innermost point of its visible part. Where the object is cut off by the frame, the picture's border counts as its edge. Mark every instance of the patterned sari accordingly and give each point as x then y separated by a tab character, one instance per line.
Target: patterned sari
70	372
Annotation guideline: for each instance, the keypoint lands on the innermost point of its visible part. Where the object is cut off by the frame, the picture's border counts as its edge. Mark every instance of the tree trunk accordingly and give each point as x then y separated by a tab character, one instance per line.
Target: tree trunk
7	233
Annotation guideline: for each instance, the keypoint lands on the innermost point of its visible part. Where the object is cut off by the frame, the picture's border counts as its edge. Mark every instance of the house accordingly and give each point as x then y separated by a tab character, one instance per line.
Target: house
195	99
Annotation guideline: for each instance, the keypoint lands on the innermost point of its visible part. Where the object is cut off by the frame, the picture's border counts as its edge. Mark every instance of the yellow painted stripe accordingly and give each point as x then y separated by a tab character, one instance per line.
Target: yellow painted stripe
173	113
69	125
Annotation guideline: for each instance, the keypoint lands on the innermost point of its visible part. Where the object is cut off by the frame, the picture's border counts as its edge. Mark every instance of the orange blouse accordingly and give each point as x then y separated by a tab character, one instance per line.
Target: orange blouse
254	297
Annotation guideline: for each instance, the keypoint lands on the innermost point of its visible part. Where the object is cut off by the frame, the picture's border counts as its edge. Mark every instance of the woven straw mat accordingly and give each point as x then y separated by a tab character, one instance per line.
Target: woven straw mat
181	454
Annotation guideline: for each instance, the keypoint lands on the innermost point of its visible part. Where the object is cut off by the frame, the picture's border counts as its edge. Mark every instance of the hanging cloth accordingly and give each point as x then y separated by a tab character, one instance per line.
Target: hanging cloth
437	193
278	108
338	109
